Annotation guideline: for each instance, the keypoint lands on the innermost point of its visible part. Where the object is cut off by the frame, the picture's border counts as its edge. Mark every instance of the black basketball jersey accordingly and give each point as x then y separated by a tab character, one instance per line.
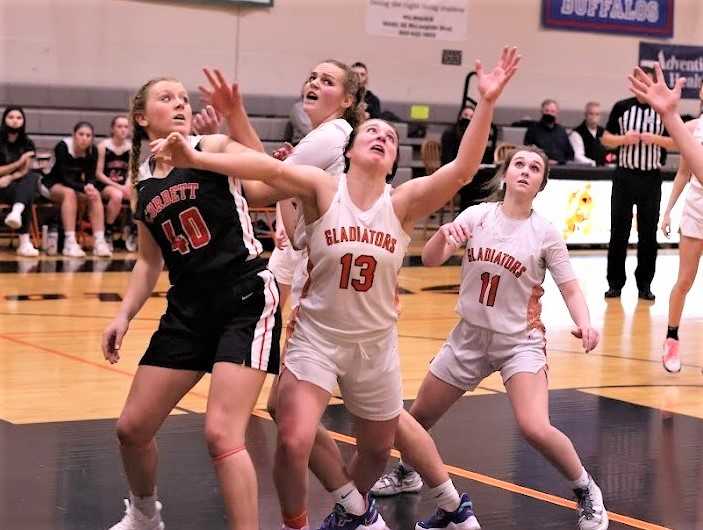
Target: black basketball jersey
201	223
116	166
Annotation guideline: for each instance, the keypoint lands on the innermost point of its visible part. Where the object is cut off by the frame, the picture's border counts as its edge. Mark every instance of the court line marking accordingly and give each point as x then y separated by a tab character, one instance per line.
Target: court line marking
457	471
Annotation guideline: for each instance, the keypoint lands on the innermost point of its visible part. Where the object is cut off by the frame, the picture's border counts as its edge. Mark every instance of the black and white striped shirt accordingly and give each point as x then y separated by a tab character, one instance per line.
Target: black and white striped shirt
631	115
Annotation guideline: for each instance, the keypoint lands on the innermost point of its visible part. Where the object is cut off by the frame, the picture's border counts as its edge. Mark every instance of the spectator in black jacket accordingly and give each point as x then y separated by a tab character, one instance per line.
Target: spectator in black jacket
373	104
548	135
586	138
451	137
71	181
18	183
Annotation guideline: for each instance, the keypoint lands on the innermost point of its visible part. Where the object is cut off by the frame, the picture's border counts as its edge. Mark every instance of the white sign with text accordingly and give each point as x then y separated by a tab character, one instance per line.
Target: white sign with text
425	19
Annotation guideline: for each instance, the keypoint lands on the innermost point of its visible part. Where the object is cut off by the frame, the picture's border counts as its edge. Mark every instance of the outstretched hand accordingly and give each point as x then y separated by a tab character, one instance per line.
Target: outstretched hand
224	97
655	92
207	121
491	84
174	150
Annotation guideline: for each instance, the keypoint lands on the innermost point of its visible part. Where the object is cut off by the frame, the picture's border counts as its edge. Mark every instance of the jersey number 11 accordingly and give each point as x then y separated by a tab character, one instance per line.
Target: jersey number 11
489	284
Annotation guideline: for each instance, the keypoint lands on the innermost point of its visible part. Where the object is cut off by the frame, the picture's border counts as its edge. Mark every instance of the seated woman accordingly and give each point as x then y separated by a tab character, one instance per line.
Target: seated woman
18	183
111	175
72	180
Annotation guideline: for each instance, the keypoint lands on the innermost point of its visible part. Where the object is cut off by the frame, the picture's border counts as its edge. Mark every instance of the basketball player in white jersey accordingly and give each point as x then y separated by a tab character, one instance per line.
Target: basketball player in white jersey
509	247
329	89
690	246
357	233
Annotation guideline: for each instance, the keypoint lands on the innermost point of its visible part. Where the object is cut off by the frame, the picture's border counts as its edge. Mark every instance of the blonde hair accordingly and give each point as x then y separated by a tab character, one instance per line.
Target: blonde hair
493	186
138	106
356	113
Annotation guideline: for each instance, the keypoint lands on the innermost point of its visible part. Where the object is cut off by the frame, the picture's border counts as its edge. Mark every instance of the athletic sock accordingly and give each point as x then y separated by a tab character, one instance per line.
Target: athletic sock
349	497
446	496
672	332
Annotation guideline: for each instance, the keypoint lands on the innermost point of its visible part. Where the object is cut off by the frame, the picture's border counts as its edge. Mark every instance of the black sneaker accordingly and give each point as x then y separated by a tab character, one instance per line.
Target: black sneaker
612	293
646	294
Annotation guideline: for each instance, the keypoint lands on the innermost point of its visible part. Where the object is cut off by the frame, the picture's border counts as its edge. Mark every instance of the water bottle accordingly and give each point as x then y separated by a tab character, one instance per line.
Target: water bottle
52	241
44	237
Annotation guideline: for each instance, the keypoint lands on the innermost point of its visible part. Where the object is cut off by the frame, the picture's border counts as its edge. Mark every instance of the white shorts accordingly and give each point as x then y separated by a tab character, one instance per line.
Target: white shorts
368	374
471	354
283	263
692	214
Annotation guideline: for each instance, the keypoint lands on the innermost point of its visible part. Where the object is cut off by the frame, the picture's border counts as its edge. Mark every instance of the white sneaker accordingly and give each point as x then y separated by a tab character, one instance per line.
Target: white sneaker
671	359
130	242
399	480
102	249
14	219
27	250
591	511
135	520
73	250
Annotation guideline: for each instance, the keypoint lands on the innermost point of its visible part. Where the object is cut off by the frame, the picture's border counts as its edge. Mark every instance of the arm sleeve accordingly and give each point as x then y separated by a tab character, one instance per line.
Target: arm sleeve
373	106
577	145
530	137
320	149
469	216
91	167
567	144
556	256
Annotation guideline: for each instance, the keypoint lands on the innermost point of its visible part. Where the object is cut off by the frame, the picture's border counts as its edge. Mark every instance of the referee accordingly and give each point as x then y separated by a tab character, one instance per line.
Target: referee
638	133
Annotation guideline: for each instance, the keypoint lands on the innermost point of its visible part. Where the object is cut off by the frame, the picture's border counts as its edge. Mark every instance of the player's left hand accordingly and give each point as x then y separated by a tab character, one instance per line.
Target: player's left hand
207	121
655	92
491	84
224	97
588	335
174	150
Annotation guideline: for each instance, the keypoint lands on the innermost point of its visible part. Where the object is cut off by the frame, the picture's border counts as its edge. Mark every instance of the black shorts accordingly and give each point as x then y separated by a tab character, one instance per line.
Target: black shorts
238	323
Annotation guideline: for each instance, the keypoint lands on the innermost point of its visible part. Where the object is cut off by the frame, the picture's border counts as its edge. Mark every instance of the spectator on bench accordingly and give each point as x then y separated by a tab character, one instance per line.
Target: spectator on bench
373	104
18	183
112	172
585	139
72	181
451	137
548	135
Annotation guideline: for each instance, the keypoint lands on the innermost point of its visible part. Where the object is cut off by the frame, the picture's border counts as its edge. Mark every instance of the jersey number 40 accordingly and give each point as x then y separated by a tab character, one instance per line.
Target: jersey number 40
367	269
197	233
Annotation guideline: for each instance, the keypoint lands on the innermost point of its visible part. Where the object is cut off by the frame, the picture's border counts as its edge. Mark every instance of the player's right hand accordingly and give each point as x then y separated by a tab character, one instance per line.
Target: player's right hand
174	150
666	225
112	338
282	152
455	234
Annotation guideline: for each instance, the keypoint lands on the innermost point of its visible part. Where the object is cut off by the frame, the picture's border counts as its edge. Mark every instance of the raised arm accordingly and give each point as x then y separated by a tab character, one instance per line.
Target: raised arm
227	101
422	196
666	101
220	154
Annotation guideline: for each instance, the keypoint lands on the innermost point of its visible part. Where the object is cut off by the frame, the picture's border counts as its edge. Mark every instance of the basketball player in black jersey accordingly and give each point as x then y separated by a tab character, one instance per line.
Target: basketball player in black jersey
222	315
112	176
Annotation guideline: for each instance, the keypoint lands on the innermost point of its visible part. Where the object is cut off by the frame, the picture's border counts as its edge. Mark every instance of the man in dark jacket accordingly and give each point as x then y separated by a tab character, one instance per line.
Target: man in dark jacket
549	135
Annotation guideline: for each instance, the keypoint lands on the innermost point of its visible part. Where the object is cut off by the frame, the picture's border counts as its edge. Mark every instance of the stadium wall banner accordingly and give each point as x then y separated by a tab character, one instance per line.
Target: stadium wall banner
580	210
676	61
422	19
626	17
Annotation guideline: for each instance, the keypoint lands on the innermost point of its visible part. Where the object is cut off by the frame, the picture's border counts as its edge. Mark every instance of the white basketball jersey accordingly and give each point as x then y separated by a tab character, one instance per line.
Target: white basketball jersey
354	257
694	196
322	147
504	267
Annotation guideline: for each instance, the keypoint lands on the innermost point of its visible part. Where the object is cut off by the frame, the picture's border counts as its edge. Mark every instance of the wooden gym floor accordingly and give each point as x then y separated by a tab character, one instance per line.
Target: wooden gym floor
637	428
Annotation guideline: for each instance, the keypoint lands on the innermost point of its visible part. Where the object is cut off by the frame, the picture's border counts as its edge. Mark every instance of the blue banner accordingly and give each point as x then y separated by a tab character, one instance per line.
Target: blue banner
676	61
626	17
